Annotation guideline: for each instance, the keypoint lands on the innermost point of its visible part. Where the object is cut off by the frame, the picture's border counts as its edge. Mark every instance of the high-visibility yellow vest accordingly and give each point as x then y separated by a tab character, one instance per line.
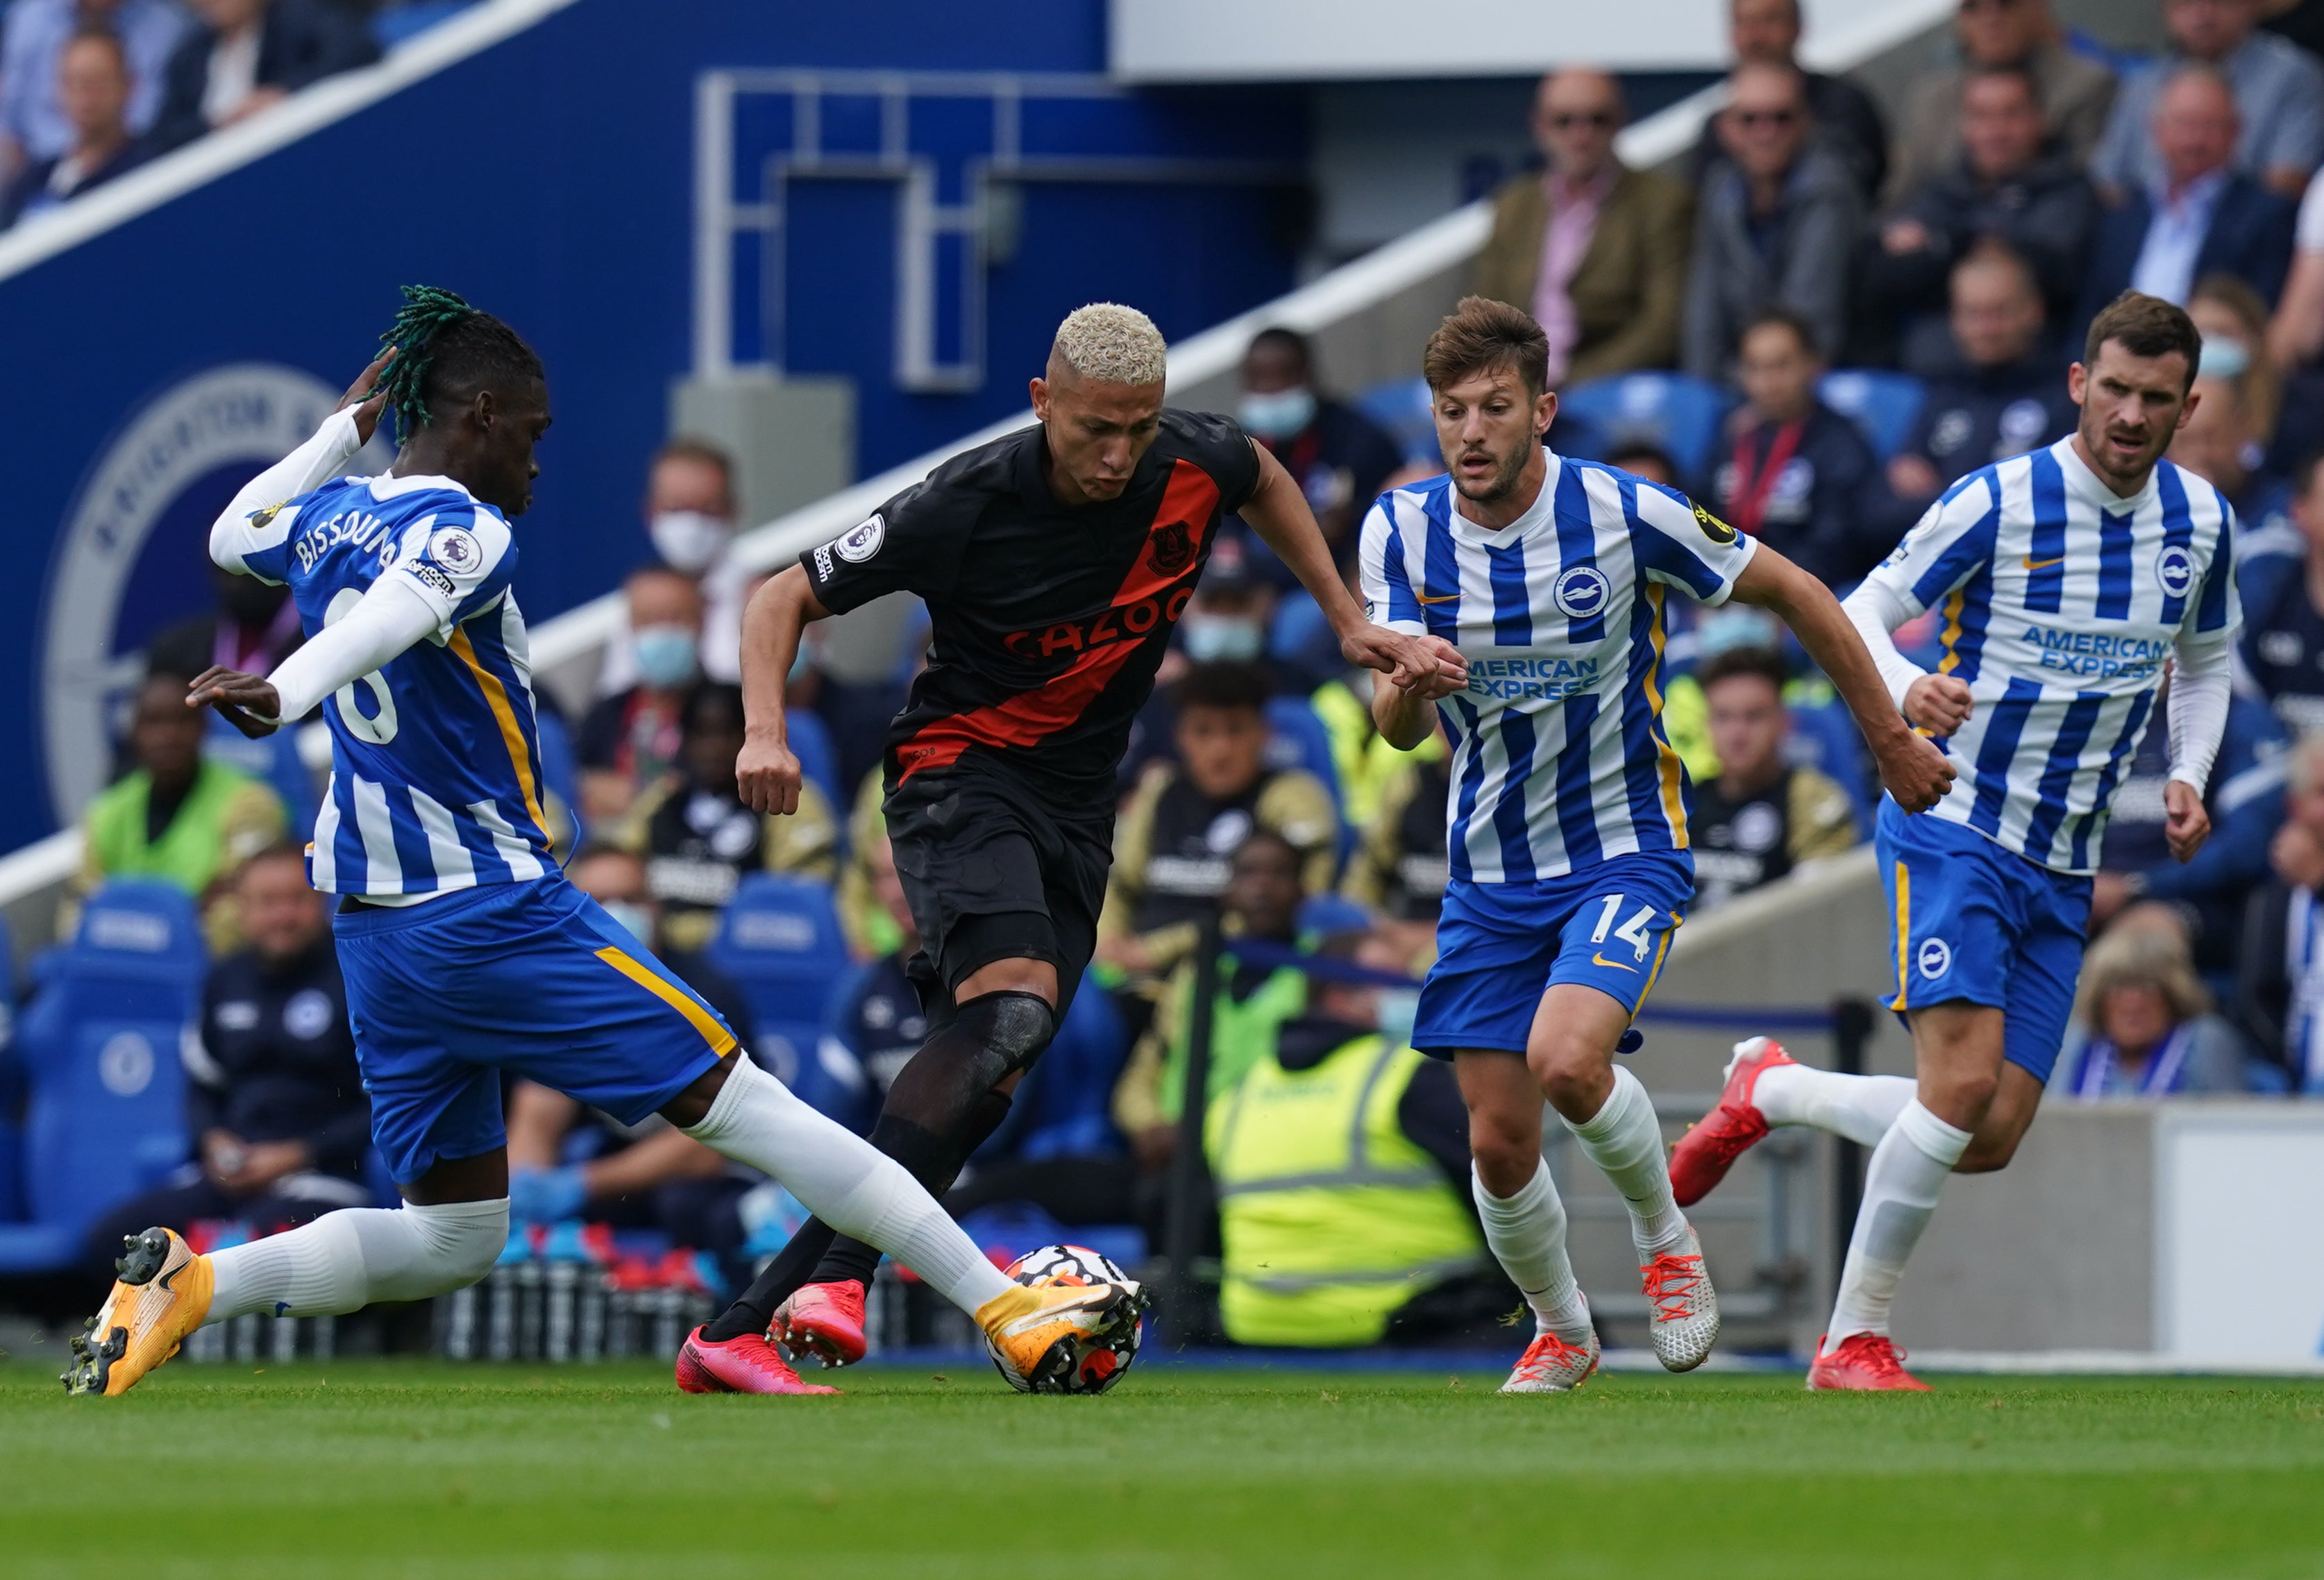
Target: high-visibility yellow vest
1330	1215
1361	754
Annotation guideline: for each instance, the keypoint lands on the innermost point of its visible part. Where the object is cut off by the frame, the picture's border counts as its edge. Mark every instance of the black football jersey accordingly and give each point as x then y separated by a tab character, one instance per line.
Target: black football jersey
1049	622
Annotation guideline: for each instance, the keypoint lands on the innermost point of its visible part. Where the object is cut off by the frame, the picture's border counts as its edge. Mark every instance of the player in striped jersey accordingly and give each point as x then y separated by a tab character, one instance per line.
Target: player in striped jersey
1567	842
465	952
2065	578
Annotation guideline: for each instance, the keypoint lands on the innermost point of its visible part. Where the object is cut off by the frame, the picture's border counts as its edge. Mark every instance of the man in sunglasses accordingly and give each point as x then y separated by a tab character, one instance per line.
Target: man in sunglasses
1775	225
1594	250
1767	33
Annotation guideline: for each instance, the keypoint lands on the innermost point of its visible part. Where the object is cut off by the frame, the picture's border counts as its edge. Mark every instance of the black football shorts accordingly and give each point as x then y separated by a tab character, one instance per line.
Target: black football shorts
992	874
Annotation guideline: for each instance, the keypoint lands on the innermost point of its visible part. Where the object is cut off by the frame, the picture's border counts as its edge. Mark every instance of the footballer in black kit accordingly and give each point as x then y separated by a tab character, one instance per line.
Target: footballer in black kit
1055	562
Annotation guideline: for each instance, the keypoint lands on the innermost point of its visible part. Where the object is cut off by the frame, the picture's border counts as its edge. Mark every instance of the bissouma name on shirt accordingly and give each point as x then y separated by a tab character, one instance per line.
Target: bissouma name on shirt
2092	652
358	527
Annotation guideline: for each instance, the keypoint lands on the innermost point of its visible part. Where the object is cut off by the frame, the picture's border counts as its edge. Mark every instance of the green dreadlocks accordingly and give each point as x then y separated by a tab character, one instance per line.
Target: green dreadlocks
426	312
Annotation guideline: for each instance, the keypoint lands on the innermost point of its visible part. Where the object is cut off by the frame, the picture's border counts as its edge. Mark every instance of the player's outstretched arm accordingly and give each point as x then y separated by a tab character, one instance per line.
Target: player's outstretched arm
346	430
1278	510
391	615
1915	772
767	772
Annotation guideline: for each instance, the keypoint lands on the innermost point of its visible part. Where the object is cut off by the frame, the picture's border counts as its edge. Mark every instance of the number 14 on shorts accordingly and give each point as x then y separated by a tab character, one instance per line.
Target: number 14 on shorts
1633	932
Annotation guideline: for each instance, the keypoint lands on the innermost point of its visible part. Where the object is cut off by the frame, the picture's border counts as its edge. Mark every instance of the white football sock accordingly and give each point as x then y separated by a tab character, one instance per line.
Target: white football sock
841	1178
1526	1235
1859	1107
1624	1138
344	1260
1900	1192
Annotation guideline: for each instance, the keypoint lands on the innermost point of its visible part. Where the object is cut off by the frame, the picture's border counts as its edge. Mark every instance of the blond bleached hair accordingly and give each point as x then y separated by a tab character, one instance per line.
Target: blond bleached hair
1110	344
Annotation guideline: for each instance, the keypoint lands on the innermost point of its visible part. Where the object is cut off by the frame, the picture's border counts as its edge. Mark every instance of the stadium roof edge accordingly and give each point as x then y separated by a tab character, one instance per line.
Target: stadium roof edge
182	170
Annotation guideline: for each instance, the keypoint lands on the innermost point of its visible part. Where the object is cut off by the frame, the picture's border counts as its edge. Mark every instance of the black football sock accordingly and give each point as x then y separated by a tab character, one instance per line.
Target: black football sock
850	1258
925	1124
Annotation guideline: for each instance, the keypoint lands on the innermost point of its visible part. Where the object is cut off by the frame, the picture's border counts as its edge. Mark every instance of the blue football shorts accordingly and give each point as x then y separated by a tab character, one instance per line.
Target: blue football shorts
1501	946
1977	922
528	979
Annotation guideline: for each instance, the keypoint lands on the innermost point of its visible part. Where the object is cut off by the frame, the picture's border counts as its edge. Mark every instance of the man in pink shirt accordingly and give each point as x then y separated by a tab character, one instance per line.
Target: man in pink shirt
1594	250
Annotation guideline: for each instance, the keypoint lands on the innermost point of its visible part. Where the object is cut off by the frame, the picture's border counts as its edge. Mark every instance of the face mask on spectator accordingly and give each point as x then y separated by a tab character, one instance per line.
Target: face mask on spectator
636	919
1278	413
1399	1007
1733	627
667	656
688	540
2223	359
1210	638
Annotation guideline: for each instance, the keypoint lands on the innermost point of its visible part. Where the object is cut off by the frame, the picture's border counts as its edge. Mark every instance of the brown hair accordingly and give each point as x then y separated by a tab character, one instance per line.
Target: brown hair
1762	661
2140	956
1484	336
2262	382
2144	325
685	448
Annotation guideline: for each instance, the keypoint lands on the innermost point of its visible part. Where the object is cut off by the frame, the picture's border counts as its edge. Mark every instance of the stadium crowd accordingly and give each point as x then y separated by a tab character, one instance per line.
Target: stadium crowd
90	89
1833	310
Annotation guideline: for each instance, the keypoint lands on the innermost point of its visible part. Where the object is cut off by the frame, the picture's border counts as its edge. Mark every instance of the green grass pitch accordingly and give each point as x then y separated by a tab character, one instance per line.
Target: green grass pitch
369	1469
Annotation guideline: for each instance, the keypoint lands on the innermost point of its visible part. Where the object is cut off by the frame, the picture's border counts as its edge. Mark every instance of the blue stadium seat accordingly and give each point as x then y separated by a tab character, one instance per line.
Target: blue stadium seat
100	1047
1301	741
1824	737
1882	404
393	24
810	740
1675	411
1324	914
560	768
1403	408
779	942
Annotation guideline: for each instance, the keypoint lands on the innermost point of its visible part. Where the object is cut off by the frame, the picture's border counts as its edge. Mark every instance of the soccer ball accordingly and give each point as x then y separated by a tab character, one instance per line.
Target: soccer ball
1102	1361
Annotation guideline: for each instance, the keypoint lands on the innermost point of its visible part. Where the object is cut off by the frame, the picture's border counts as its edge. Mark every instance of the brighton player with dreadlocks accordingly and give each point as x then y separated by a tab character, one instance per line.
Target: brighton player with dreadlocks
465	952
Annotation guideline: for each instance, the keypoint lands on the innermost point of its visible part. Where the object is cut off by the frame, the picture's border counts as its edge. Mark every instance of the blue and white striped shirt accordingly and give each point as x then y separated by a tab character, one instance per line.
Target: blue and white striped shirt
2060	601
435	782
1559	756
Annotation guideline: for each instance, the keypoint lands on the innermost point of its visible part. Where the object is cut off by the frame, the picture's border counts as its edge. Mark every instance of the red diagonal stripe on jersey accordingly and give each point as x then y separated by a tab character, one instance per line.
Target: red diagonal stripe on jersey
1188	500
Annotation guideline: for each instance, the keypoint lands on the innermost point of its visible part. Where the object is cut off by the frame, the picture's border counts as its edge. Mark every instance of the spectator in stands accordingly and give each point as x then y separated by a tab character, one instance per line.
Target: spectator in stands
1767	33
274	1099
2283	617
2201	216
1226	621
2233	320
1400	866
697	837
1260	904
2005	396
1186	819
245	56
689	517
1342	1165
178	816
1339	456
252	627
1760	817
2145	1026
2245	800
567	1162
1776	227
630	740
2278	89
2076	92
93	87
2220	444
1594	250
34	125
1799	476
2279	997
2006	186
